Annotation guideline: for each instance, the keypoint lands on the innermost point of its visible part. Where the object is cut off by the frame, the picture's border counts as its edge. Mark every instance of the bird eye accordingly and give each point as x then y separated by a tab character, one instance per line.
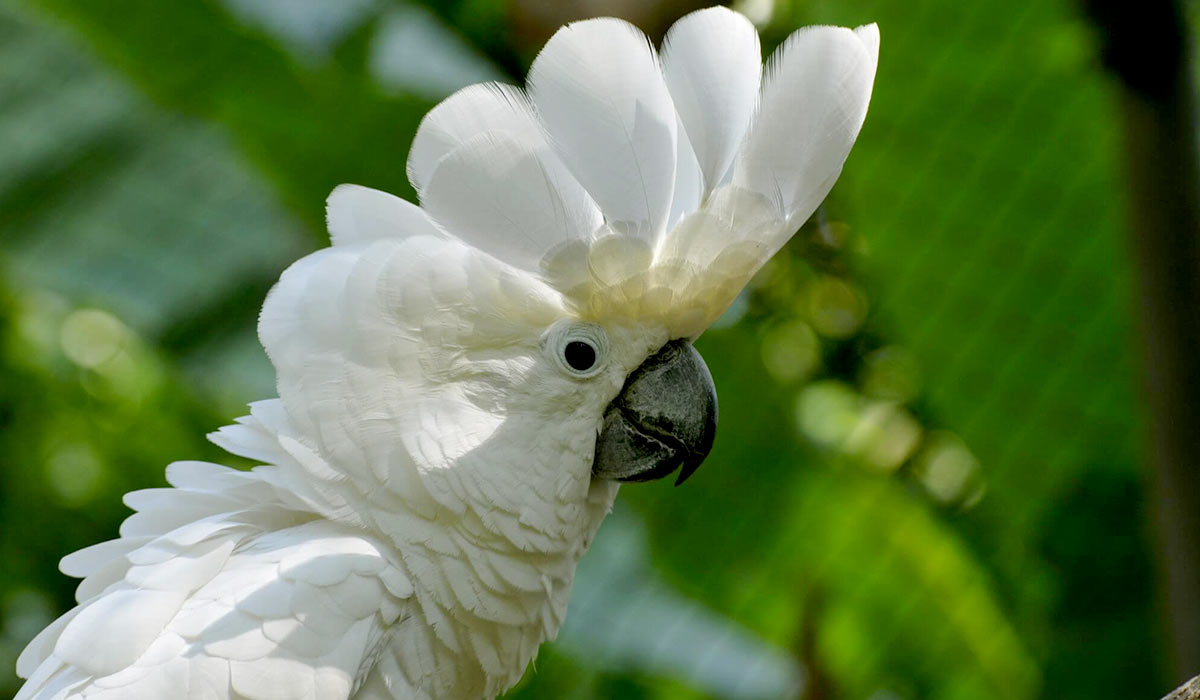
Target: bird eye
579	355
579	349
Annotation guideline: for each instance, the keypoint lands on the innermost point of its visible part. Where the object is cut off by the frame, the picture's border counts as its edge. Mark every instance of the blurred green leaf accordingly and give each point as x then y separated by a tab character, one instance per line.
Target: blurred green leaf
77	430
310	128
773	537
983	186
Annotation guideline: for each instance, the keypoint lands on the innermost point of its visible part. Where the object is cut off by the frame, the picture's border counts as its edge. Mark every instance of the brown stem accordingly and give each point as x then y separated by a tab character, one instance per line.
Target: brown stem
1145	45
818	685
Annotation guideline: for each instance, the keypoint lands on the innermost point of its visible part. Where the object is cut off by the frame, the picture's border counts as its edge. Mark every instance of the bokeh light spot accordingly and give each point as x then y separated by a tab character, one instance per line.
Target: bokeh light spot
837	308
91	337
74	472
759	12
884	437
827	412
790	351
947	468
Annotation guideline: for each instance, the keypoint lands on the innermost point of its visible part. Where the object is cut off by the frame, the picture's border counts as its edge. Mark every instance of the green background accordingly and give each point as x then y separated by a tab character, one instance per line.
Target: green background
927	482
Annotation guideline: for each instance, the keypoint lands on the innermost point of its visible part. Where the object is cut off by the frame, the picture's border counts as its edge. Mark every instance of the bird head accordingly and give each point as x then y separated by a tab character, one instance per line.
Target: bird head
524	335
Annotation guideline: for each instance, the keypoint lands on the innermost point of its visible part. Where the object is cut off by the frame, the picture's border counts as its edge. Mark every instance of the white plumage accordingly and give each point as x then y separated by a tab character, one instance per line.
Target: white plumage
426	486
713	66
793	153
543	206
599	90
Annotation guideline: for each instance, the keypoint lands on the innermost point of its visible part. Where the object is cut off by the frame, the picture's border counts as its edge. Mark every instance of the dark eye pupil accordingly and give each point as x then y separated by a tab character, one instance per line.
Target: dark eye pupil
579	355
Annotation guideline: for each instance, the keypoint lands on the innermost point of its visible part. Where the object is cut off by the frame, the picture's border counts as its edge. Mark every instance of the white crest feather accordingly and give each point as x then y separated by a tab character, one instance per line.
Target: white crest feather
462	116
599	90
689	180
713	66
814	99
356	214
499	195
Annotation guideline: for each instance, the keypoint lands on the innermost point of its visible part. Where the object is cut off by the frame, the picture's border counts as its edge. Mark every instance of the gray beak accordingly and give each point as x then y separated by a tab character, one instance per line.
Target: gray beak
664	418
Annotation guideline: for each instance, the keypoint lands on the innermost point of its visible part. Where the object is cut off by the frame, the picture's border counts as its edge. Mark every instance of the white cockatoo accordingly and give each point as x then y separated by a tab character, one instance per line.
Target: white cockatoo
462	384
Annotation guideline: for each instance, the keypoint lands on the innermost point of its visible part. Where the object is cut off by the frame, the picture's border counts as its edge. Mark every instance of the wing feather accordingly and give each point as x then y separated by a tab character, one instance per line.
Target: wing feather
113	630
294	613
88	560
41	646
